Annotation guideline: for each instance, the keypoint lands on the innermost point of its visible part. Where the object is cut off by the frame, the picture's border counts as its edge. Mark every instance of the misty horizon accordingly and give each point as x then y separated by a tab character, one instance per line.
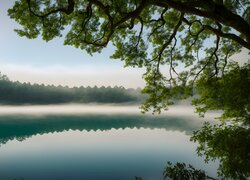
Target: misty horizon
74	76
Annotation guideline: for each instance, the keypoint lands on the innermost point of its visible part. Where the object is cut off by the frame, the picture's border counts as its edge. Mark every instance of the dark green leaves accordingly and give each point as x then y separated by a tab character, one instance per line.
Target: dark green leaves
182	171
229	93
229	144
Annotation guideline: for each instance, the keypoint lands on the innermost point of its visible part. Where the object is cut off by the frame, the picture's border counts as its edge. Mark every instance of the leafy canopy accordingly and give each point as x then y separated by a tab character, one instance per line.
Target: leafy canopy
229	93
182	171
229	144
177	41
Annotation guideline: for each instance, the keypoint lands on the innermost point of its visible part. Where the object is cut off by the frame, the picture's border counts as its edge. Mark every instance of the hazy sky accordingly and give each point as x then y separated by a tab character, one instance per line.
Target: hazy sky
36	61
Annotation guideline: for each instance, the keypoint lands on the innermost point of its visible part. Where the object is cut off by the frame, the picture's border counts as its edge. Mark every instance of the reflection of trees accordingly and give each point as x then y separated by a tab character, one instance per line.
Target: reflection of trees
22	127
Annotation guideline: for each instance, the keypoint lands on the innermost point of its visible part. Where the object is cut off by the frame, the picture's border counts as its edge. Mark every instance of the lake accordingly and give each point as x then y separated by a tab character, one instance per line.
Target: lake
95	142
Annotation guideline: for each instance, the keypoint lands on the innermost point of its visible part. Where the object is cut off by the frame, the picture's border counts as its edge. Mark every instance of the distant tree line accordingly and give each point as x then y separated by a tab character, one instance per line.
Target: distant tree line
26	93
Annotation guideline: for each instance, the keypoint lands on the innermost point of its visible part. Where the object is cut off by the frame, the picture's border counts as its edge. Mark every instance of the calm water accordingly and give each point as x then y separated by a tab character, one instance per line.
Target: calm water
40	144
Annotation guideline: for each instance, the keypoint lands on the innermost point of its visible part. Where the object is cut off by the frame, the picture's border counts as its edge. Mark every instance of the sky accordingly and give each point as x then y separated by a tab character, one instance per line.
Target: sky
36	61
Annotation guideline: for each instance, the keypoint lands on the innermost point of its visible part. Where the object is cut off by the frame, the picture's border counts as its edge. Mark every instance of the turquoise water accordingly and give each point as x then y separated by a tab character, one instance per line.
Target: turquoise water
89	146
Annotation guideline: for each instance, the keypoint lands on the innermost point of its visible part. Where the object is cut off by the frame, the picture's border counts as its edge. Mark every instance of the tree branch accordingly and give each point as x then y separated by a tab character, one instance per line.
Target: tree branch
219	13
210	58
219	32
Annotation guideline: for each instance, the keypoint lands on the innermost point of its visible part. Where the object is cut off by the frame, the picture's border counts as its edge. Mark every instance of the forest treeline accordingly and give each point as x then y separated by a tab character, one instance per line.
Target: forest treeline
26	93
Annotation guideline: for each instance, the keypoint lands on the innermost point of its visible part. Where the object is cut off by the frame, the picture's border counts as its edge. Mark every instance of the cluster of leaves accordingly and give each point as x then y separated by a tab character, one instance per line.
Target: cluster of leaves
229	93
228	143
23	93
182	171
155	34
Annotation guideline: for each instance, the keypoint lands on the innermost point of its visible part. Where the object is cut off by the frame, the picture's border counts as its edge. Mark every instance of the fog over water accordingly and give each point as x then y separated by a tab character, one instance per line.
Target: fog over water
82	109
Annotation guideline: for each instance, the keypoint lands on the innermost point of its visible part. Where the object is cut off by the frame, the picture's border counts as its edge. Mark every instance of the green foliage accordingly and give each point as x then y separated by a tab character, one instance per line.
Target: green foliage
229	93
160	95
229	144
182	171
228	141
158	35
26	93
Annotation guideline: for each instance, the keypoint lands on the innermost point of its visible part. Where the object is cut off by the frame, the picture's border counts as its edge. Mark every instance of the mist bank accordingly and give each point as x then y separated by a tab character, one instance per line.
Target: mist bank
16	93
181	110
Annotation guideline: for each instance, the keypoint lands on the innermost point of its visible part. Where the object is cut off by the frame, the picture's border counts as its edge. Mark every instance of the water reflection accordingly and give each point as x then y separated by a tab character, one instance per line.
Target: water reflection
111	154
23	126
94	142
